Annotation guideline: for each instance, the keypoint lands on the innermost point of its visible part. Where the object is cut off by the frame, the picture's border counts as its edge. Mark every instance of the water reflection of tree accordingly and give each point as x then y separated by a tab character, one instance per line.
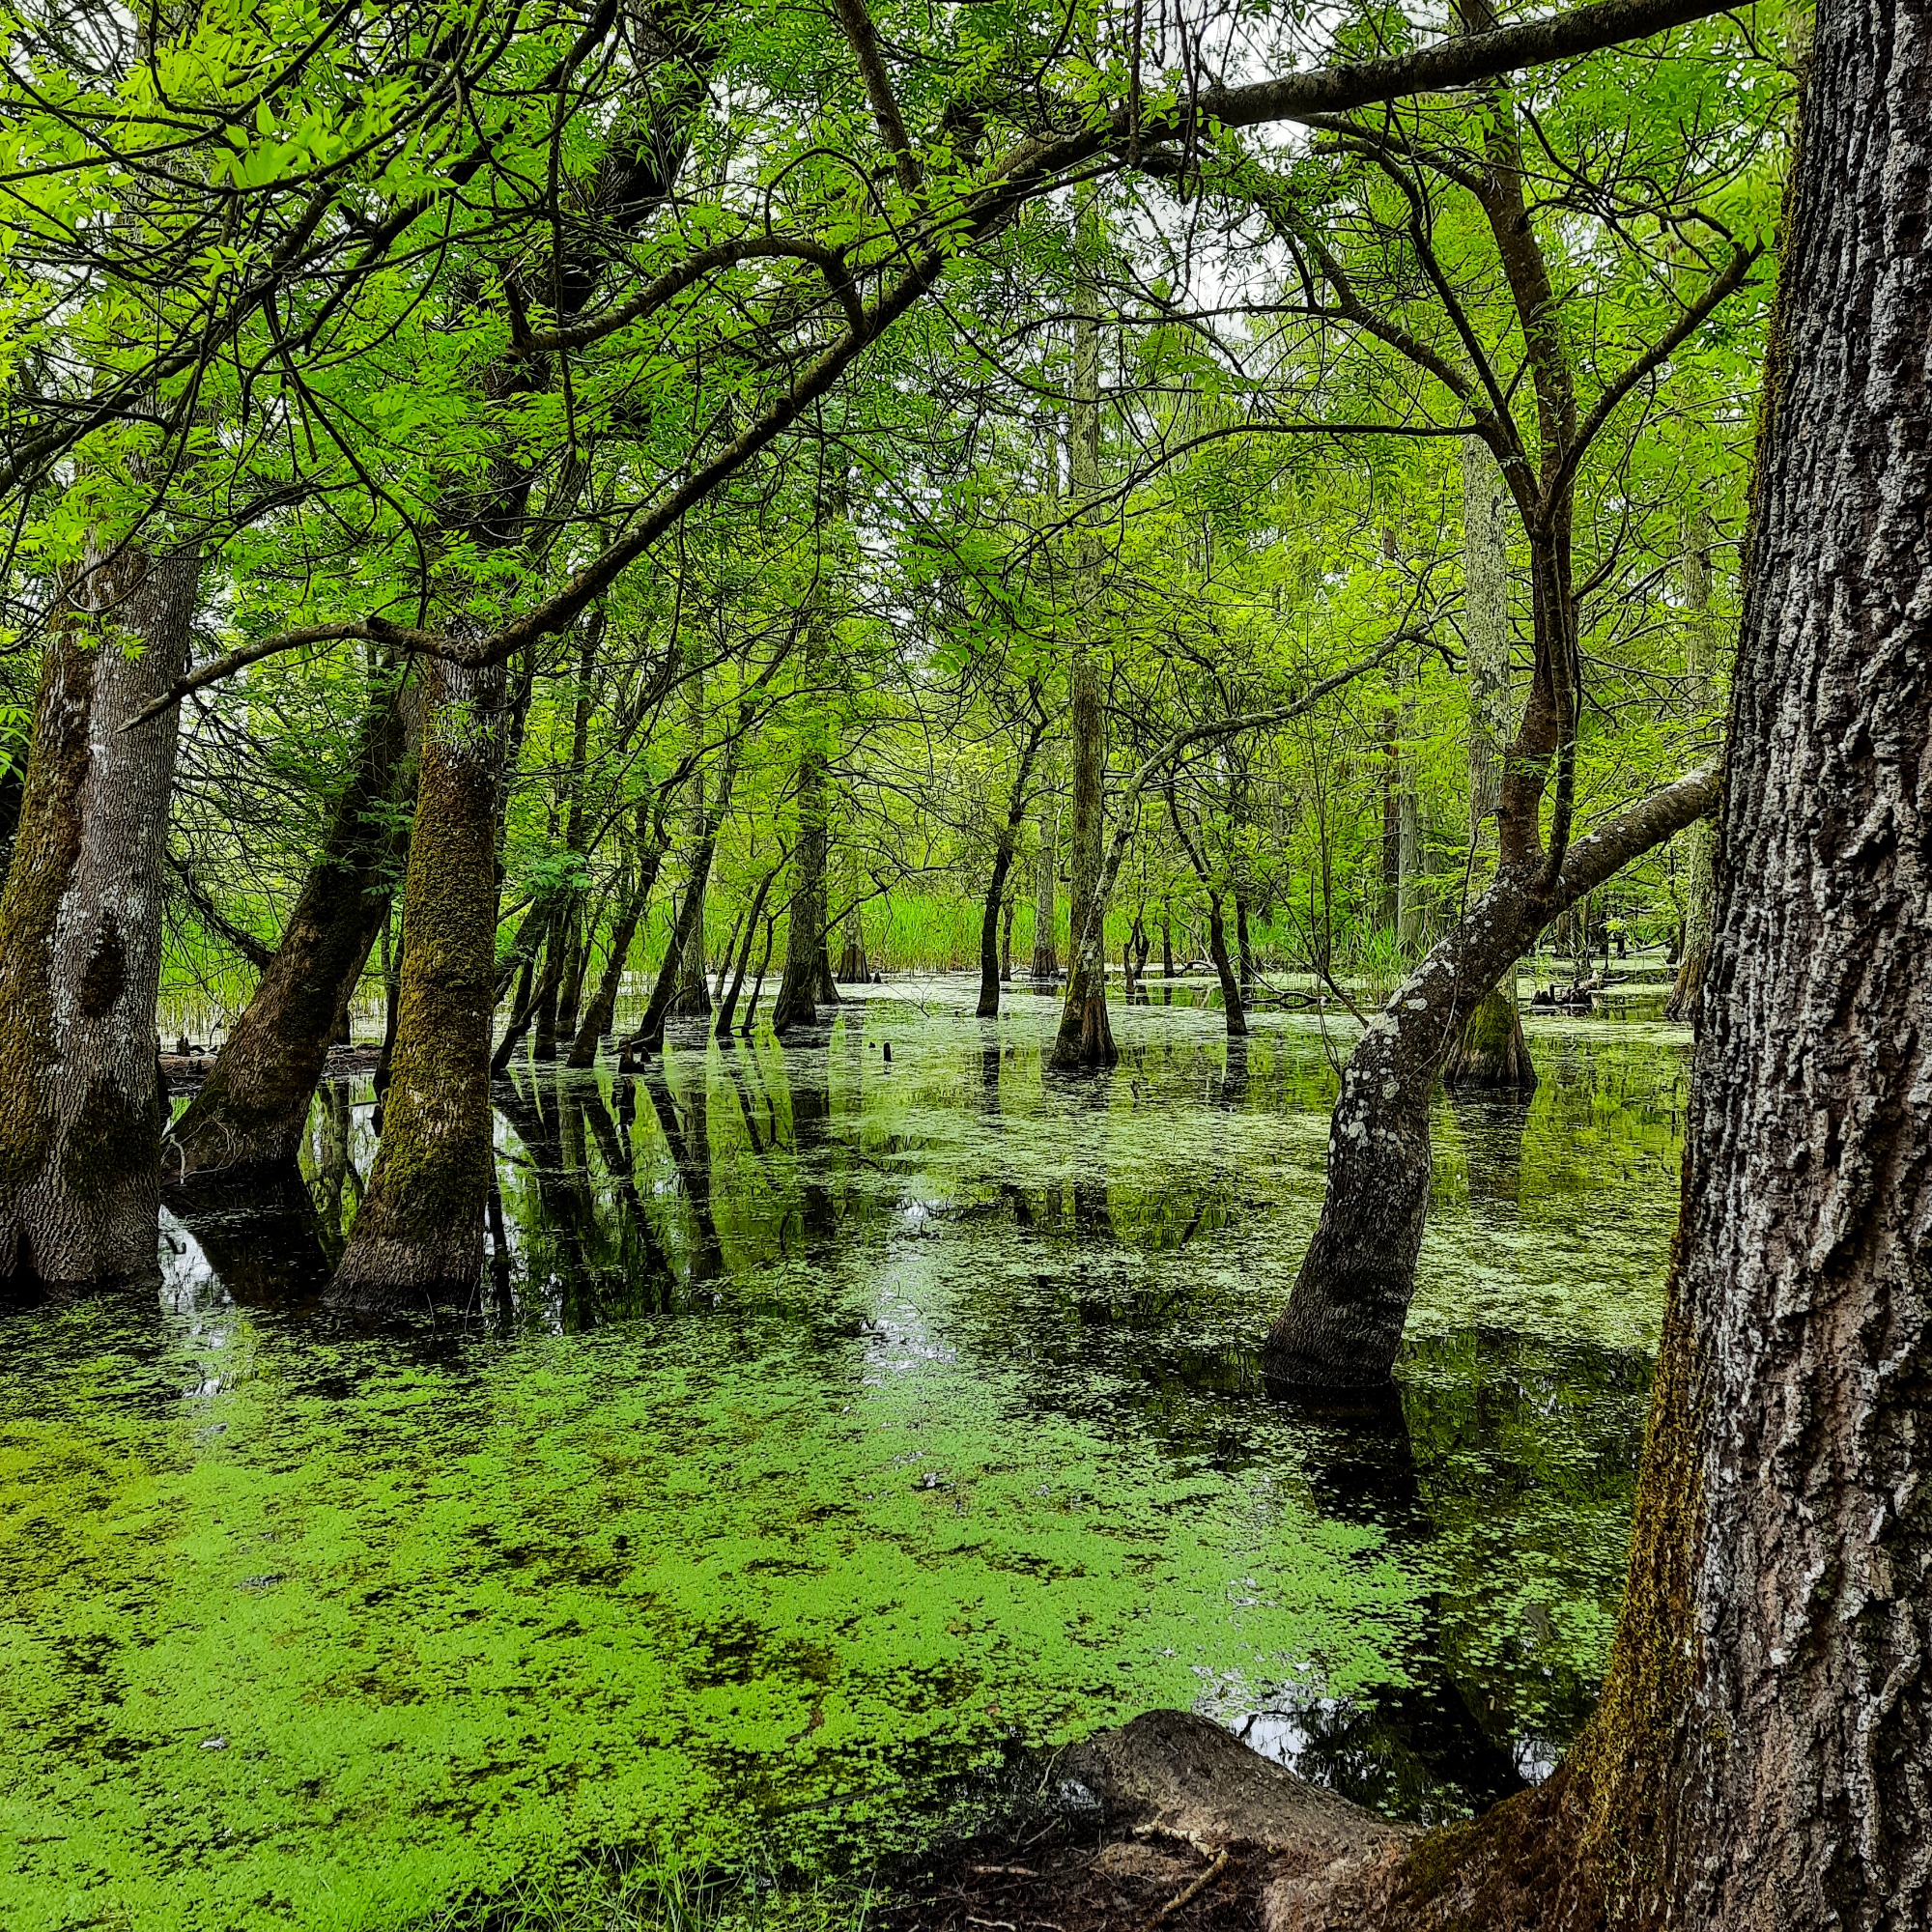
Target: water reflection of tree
1397	1749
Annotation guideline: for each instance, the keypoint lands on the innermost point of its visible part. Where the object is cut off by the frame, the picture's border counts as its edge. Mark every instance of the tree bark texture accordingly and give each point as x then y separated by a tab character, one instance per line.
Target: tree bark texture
254	1107
1798	1786
82	1109
1343	1323
420	1227
1761	1757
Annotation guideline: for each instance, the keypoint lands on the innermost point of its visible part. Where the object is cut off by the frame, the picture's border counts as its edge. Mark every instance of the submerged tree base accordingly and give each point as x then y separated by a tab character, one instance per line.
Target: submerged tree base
1491	1051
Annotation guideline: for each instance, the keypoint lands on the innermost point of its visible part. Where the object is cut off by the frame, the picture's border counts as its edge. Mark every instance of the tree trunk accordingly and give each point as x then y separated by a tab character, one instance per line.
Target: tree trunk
1699	884
691	998
254	1107
420	1228
1217	951
1759	1756
81	1108
855	969
1085	1040
601	1010
1007	845
1342	1321
805	926
1046	893
1491	1051
649	1036
728	1004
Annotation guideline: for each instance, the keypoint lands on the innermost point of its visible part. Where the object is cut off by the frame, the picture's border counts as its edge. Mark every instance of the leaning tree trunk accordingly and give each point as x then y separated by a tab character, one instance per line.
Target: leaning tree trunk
82	1109
254	1108
1700	653
420	1226
1342	1321
1762	1753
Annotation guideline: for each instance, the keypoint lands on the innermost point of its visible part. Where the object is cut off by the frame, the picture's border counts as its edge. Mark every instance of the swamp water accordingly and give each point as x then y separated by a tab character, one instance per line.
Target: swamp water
831	1431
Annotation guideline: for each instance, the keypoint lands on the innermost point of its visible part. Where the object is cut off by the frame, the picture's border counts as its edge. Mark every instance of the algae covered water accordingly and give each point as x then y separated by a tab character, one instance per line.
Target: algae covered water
831	1431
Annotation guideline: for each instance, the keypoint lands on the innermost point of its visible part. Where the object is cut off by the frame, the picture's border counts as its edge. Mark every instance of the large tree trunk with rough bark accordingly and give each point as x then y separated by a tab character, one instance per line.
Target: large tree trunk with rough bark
1761	1756
420	1227
254	1108
82	1109
1342	1321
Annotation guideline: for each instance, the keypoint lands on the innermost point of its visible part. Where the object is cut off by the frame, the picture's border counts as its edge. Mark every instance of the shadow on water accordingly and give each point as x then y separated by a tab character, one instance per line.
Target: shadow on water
827	1430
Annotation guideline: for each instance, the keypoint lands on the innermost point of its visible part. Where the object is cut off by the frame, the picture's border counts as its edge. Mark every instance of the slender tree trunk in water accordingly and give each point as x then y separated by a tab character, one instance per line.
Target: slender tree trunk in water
1759	1758
1004	849
1217	951
728	1004
1700	650
420	1228
1343	1319
601	1010
81	1108
1046	893
1491	1051
805	926
691	999
252	1110
1085	1040
650	1033
855	969
759	984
